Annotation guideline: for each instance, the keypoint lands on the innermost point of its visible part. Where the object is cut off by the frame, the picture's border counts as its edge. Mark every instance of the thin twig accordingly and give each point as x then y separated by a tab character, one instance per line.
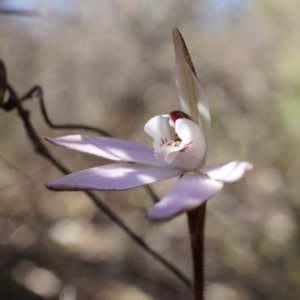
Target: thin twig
2	82
38	92
39	147
42	12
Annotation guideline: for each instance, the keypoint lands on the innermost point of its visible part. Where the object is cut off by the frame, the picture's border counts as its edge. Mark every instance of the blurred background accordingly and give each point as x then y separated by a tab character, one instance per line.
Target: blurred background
110	64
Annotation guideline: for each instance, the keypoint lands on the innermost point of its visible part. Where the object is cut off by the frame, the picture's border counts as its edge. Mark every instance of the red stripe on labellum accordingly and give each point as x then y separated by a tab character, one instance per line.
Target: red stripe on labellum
186	146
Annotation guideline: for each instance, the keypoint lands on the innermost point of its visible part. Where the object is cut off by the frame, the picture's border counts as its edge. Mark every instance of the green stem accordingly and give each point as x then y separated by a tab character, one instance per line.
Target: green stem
196	220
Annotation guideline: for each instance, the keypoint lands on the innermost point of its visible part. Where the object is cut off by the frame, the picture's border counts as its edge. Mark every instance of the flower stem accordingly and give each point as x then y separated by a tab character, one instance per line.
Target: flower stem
196	220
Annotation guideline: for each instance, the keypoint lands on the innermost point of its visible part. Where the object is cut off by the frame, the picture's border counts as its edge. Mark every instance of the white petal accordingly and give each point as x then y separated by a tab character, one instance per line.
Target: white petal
110	148
158	128
192	190
228	172
191	95
112	177
169	153
193	146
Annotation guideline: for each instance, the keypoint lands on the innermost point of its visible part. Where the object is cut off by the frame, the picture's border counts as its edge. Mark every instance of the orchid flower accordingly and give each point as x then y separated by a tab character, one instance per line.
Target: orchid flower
179	142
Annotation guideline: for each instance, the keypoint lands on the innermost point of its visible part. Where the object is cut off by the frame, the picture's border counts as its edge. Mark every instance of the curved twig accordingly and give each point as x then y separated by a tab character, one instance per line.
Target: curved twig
41	12
2	82
38	92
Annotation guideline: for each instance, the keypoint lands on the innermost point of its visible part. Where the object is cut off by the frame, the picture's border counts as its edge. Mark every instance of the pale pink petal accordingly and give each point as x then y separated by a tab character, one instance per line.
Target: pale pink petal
112	177
191	95
228	172
110	148
192	190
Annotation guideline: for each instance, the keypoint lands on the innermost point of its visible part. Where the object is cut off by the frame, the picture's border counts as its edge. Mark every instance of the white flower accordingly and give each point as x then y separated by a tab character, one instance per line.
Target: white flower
180	143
